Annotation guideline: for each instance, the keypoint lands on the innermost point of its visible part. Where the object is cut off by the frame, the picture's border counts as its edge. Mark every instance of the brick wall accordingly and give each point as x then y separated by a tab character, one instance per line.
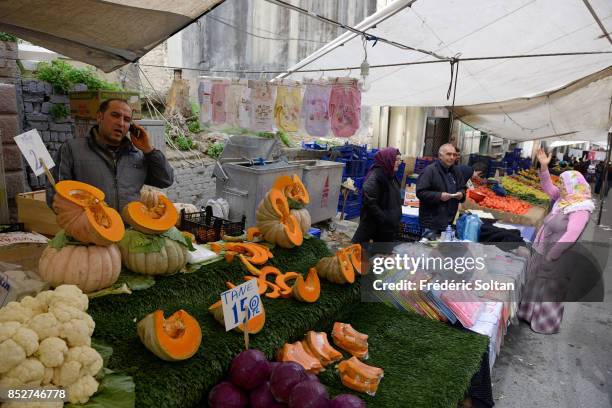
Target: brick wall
193	182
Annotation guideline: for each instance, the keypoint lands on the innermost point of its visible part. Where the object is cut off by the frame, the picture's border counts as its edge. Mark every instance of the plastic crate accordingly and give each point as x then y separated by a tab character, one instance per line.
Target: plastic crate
409	229
313	146
399	175
353	167
351	210
208	228
16	227
350	151
315	232
420	164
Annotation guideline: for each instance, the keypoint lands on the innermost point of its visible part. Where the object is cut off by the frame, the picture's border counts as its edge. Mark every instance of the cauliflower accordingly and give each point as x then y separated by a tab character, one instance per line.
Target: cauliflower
48	377
45	325
69	295
80	391
34	304
52	352
76	326
15	312
27	339
8	330
30	372
11	354
90	360
44	298
67	374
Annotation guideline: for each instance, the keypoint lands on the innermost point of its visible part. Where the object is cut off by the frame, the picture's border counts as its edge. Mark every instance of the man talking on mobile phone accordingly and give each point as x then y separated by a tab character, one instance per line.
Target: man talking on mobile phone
440	189
117	157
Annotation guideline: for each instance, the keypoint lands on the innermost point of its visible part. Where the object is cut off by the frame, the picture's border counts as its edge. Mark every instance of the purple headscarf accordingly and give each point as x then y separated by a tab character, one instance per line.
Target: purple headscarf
385	158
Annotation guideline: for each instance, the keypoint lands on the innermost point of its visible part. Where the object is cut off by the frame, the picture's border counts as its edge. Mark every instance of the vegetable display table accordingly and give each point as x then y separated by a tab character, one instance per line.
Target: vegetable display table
533	217
426	363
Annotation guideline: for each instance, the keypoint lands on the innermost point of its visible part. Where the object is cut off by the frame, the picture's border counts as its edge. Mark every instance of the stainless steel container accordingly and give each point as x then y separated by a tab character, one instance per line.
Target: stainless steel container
322	179
244	184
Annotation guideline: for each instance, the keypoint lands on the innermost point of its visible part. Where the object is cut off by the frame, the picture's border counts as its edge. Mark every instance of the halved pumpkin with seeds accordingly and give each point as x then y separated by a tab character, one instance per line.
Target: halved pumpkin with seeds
173	339
83	214
153	214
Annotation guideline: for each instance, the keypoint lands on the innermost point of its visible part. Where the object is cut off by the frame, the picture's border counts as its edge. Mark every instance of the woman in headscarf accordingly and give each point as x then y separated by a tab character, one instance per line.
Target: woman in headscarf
549	273
381	208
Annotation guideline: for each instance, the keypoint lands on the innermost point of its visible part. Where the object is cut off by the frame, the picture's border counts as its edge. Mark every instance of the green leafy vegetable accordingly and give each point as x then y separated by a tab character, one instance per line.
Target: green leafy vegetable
102	347
61	239
136	241
135	281
113	290
176	235
116	391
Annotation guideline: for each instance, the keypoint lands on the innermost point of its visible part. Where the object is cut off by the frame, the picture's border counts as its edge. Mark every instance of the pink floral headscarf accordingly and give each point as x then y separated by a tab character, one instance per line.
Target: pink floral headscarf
575	194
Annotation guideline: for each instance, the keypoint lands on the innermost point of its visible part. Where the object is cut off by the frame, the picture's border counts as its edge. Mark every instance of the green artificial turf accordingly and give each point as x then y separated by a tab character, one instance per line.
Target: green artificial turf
425	362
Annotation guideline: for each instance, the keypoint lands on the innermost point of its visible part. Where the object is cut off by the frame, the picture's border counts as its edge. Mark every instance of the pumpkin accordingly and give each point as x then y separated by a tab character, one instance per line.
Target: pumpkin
359	376
350	339
316	344
252	232
254	325
276	223
281	281
303	218
173	339
336	269
189	235
189	208
153	214
89	267
295	352
255	254
354	254
170	259
307	290
82	213
293	188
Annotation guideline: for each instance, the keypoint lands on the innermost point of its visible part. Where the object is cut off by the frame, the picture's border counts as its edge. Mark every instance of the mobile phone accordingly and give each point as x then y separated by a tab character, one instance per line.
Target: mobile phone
134	131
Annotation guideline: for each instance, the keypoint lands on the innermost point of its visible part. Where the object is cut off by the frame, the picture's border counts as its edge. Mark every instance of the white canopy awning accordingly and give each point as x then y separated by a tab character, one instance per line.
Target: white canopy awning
105	33
481	28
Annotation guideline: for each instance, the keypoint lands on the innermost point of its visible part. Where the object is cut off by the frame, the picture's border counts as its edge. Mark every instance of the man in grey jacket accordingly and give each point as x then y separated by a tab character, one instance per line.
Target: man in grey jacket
112	161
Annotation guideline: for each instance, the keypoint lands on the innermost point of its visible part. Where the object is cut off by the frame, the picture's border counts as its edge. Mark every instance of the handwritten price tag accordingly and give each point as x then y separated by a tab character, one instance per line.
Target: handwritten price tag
240	301
33	149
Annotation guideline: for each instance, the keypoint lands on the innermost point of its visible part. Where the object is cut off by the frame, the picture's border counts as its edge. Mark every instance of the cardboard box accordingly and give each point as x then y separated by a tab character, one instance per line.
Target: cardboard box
22	248
33	212
84	105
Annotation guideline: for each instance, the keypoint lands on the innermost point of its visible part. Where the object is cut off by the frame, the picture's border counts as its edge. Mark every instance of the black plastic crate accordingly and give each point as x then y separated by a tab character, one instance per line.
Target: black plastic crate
409	229
16	227
208	228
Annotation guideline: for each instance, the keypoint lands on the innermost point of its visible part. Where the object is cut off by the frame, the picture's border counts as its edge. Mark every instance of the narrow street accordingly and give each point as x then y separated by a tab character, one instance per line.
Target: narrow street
572	368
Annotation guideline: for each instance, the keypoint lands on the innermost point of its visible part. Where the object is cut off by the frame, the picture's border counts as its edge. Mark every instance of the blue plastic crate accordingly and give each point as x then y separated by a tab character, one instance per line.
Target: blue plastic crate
420	165
315	232
353	167
351	210
400	172
314	146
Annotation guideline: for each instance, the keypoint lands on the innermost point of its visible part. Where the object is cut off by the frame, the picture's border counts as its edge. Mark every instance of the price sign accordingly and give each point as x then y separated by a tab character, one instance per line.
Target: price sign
239	303
33	149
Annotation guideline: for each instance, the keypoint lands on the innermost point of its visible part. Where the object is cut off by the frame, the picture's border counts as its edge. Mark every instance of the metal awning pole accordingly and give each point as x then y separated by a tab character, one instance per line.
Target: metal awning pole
602	194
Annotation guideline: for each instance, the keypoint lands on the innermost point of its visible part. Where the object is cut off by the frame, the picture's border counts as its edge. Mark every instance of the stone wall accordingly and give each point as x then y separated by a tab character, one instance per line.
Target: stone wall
38	100
193	182
10	125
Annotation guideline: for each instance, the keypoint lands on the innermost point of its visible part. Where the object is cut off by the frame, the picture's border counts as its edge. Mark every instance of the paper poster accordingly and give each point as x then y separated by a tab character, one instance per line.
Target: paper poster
33	149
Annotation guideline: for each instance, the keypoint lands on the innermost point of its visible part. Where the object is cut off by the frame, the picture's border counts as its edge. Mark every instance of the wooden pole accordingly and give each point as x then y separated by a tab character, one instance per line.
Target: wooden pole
47	172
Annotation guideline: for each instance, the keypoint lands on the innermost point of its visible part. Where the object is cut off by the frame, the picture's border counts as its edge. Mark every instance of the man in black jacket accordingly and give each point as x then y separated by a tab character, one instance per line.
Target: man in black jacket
440	189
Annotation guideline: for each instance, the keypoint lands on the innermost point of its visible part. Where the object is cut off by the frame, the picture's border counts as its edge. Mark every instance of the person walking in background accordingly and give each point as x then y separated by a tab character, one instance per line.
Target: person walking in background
440	189
381	210
547	278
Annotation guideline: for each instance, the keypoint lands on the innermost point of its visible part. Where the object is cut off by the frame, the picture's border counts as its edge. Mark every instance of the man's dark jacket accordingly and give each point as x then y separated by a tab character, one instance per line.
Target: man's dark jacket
120	175
434	213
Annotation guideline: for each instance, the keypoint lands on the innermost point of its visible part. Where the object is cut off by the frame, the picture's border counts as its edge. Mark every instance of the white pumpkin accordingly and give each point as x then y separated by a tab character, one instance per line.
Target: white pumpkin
303	218
89	267
170	259
189	208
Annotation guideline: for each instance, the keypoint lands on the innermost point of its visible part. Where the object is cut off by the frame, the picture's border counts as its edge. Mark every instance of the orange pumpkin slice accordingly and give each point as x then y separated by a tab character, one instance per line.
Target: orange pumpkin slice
319	346
216	247
295	352
296	191
173	339
254	326
286	291
307	290
249	266
252	232
256	254
82	213
360	376
354	254
151	220
350	339
229	256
